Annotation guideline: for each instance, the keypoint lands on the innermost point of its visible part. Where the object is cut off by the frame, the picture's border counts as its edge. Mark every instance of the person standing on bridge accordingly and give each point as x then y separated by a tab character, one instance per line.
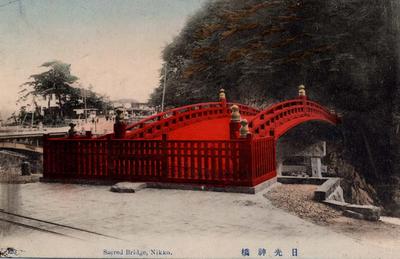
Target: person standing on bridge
72	131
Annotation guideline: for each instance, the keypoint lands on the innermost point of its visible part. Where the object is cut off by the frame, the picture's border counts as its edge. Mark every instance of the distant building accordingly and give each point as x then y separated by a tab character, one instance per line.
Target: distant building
44	105
123	103
90	113
133	108
141	109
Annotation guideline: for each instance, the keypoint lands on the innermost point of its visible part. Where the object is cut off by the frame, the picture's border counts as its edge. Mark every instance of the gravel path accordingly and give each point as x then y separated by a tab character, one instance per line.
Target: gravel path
298	200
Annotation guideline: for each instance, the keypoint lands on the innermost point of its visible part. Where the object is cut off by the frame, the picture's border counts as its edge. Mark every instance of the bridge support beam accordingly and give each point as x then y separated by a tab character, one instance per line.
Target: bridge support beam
279	165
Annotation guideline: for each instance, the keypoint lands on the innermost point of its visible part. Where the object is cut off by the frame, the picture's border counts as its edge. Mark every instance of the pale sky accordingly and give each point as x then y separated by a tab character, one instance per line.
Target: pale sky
115	45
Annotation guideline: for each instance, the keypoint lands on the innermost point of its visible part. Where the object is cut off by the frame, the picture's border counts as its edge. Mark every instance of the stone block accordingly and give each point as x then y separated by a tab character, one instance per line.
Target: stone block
352	214
301	180
368	212
127	187
326	189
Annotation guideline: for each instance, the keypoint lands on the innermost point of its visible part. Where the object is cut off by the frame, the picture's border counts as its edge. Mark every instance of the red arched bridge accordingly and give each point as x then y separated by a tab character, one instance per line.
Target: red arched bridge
216	144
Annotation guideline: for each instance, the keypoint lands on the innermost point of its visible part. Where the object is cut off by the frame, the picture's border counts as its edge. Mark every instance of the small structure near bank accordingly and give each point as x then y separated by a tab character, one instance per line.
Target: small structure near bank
302	160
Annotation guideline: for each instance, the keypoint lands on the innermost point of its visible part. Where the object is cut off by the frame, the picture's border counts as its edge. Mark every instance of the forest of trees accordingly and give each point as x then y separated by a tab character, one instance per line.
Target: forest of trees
345	52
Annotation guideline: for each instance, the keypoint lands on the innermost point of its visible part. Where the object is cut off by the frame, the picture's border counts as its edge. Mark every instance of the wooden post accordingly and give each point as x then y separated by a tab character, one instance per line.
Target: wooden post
45	156
110	166
234	124
88	134
164	159
234	128
119	130
222	99
245	161
251	172
274	155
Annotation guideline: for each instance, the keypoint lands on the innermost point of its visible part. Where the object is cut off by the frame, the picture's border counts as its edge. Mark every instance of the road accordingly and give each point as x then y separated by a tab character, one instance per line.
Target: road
183	223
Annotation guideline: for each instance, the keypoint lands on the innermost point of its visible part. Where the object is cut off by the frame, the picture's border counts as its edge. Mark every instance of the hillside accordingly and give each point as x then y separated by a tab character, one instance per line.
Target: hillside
345	52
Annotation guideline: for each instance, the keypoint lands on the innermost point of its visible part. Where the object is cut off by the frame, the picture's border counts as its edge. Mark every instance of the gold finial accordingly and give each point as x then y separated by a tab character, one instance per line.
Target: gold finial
235	116
302	90
222	94
244	130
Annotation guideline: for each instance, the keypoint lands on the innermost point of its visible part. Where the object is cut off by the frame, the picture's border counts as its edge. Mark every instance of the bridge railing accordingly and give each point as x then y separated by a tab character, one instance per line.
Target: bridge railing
263	156
245	109
241	162
156	125
265	122
171	119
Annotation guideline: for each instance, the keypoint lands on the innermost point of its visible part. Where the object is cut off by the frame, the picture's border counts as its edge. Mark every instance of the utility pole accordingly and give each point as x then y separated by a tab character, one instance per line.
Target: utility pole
33	112
165	84
84	101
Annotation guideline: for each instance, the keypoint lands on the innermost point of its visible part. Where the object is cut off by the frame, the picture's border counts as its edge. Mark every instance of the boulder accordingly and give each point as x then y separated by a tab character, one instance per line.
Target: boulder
326	189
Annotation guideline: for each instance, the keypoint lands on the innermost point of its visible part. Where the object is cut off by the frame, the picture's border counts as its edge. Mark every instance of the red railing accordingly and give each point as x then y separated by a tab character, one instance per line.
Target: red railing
146	155
242	162
267	121
154	126
263	155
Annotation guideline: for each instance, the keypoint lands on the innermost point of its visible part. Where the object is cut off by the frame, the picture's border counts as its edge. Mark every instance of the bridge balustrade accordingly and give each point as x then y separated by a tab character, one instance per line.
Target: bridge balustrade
240	162
245	156
266	122
158	124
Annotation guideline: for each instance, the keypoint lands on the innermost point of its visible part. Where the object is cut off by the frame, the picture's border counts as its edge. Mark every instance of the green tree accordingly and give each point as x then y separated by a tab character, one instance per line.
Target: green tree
57	80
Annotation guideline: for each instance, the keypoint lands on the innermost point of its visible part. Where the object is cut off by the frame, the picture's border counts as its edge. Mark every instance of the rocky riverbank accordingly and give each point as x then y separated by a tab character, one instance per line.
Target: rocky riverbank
297	199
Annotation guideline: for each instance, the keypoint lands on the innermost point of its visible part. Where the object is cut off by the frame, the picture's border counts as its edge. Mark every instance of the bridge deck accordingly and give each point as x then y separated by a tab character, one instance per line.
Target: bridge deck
213	129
